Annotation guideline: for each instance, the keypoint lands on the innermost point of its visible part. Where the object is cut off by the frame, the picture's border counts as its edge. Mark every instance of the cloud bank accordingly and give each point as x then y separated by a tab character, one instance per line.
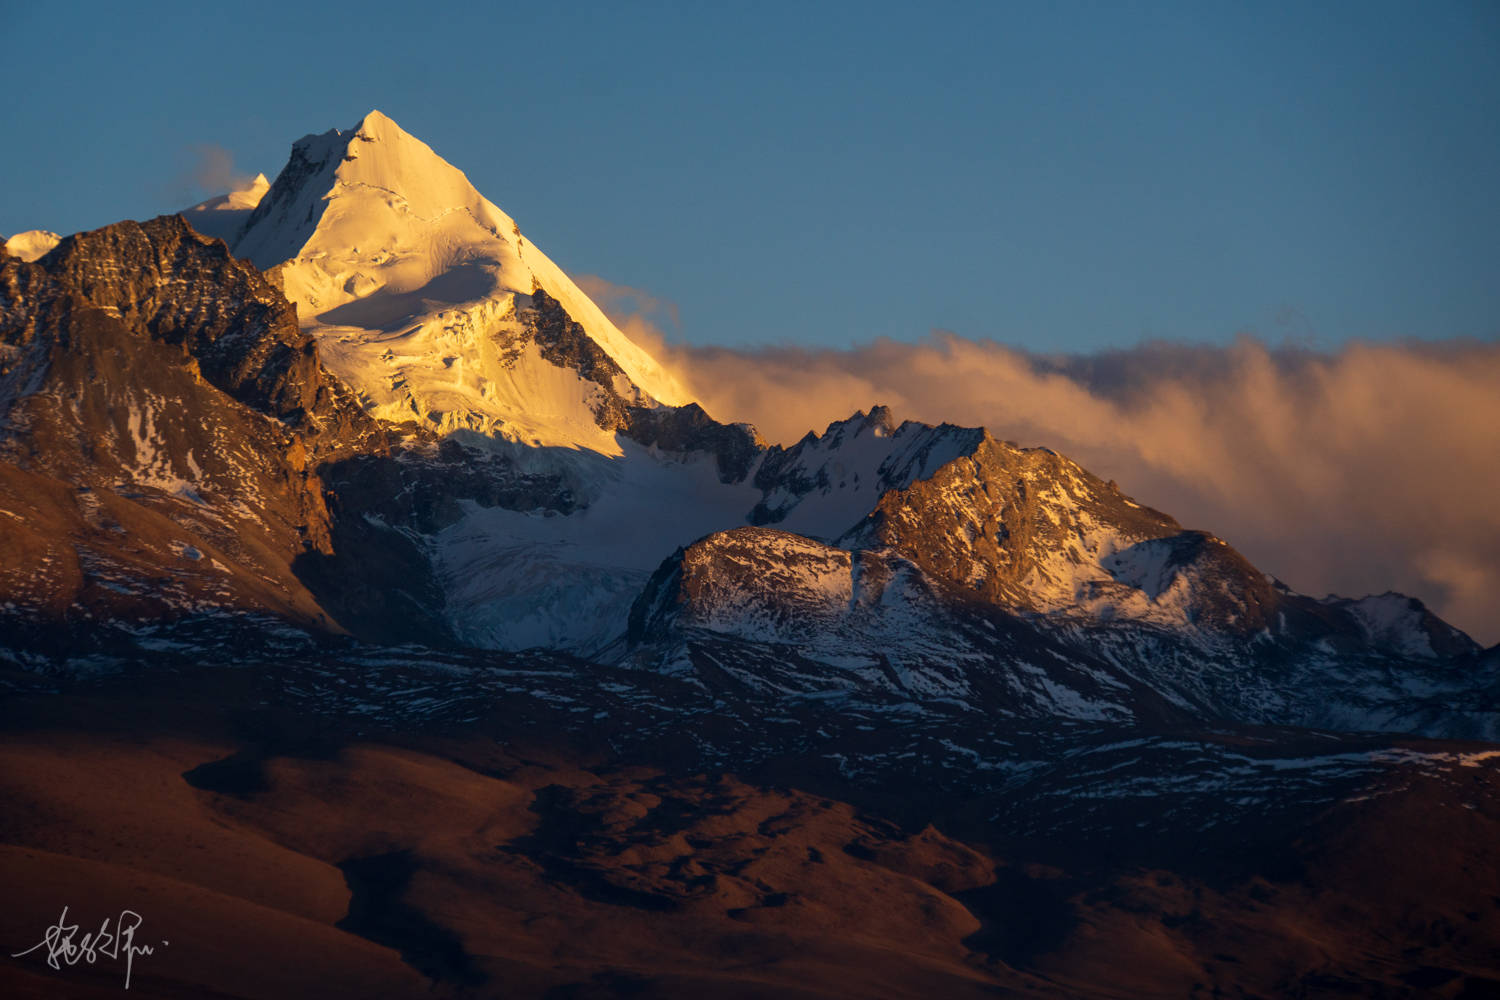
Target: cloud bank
1370	469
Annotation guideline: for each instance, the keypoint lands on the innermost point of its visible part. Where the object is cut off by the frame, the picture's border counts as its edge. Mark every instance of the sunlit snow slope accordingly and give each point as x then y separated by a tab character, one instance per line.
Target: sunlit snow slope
418	289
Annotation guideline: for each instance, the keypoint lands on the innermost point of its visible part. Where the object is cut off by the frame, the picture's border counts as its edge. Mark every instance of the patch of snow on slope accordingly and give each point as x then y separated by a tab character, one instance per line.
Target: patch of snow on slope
153	467
1393	620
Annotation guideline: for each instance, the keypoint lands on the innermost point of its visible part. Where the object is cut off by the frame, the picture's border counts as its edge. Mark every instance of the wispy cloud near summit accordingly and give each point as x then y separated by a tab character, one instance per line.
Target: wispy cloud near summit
207	170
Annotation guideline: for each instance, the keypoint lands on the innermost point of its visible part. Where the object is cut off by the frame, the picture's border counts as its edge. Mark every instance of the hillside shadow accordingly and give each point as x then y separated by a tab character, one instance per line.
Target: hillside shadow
379	581
379	913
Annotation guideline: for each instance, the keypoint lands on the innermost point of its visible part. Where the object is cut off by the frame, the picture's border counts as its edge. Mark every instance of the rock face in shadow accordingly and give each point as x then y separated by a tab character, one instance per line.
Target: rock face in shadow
564	342
735	447
688	428
378	578
377	912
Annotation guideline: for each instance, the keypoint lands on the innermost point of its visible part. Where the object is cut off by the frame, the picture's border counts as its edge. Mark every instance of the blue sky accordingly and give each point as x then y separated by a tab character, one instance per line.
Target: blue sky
1061	177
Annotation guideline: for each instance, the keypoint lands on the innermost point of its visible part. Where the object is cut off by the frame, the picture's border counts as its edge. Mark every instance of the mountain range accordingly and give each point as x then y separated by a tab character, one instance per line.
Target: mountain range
351	439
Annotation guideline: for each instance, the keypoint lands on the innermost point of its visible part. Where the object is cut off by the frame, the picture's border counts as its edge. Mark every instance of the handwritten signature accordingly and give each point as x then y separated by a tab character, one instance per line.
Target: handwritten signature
62	949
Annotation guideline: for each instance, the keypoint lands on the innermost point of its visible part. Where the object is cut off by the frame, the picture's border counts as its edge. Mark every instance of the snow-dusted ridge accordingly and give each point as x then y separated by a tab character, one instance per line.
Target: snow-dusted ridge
419	288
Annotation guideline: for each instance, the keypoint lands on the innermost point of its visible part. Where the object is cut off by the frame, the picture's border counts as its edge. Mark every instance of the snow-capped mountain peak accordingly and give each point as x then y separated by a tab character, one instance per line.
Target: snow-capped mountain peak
224	216
374	183
32	244
422	294
240	199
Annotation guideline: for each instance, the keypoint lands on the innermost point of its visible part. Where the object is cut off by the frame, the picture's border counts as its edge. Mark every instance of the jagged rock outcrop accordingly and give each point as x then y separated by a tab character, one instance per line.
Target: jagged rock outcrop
165	390
162	279
826	484
1028	529
564	342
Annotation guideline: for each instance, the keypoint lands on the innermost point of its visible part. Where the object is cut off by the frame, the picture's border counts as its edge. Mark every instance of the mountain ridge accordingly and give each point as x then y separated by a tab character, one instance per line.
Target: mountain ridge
457	538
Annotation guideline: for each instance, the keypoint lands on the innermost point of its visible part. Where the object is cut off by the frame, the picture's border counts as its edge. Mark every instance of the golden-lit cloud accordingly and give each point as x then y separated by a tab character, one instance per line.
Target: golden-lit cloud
1373	468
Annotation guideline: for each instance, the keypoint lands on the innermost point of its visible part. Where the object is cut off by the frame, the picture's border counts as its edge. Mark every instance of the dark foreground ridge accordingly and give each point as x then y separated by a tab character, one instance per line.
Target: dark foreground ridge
408	820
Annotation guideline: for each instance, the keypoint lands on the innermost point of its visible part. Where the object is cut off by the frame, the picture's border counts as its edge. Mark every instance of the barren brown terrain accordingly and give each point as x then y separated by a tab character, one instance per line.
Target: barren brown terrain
284	854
